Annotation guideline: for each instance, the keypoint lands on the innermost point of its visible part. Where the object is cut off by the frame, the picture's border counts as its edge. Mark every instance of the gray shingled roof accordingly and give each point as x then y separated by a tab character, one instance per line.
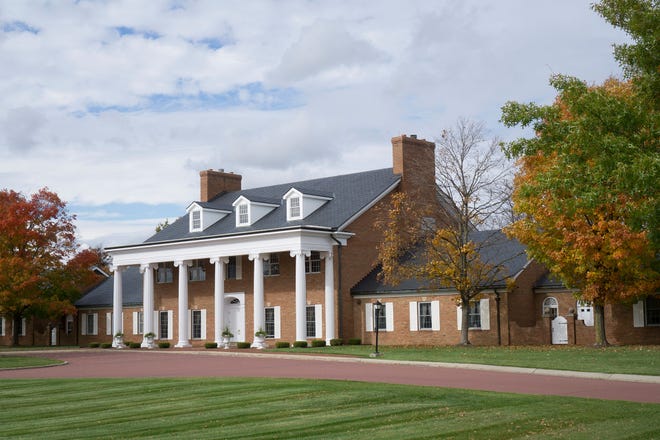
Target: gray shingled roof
498	249
350	192
101	295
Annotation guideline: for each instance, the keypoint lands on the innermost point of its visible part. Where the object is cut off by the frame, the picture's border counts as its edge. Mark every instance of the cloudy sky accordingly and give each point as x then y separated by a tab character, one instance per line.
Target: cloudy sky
117	105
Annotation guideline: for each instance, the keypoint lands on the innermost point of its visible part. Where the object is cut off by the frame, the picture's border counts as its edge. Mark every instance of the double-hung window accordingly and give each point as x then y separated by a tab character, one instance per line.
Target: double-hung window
164	273
197	272
196	324
272	265
294	208
311	321
313	262
269	322
474	315
243	214
163	325
425	316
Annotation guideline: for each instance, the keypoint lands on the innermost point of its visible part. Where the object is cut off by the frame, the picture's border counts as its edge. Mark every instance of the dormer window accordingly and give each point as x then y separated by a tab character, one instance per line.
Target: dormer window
196	220
301	203
243	213
251	210
294	208
203	215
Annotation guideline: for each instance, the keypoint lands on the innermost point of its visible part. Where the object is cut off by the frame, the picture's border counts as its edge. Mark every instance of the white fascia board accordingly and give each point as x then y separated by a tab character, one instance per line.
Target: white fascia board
369	205
267	242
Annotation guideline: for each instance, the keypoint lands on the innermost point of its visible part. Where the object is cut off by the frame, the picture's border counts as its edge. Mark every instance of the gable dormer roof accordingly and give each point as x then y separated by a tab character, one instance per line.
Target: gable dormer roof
251	210
300	203
201	215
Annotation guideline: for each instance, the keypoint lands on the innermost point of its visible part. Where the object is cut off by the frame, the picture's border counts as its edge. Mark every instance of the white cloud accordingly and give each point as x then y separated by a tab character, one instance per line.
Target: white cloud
120	102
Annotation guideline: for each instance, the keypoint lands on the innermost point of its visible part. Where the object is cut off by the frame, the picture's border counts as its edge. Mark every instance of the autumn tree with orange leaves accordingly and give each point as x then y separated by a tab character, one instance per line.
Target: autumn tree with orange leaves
41	270
587	186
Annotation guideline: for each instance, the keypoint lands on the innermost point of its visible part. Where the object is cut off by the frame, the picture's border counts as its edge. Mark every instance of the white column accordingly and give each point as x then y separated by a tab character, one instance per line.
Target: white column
329	297
147	300
301	295
258	283
117	303
184	328
219	297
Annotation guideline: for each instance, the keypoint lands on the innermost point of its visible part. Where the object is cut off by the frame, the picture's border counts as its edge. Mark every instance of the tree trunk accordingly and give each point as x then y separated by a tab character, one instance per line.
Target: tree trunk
599	326
465	310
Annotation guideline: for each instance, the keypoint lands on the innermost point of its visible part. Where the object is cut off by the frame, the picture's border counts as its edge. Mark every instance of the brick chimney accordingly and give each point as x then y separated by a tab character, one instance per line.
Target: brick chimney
414	159
213	182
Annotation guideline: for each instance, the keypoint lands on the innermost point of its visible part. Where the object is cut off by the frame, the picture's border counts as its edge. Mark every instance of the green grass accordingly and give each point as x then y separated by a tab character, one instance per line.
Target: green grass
26	362
287	408
624	359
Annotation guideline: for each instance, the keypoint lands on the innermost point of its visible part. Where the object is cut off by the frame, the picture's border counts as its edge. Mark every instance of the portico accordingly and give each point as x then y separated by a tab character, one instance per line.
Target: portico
298	244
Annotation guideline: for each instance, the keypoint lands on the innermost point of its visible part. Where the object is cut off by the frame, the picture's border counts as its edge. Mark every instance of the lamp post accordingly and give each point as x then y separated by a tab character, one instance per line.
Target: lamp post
378	307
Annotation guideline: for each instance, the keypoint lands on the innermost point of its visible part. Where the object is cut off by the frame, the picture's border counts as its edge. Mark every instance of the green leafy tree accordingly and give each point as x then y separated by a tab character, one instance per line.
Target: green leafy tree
587	185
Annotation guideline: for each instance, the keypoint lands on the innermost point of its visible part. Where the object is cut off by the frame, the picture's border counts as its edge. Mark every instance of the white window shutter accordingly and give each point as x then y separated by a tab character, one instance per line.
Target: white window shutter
156	328
369	317
136	320
170	321
190	323
389	317
239	267
2	325
83	324
95	331
108	323
484	314
435	315
638	314
203	324
278	324
318	319
459	317
413	316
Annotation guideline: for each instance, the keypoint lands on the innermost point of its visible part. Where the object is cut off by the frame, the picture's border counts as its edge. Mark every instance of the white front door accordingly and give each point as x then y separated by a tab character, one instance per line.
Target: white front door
235	317
559	330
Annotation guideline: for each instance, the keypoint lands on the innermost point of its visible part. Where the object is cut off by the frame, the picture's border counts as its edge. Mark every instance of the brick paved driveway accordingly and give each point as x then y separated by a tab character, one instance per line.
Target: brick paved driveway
170	363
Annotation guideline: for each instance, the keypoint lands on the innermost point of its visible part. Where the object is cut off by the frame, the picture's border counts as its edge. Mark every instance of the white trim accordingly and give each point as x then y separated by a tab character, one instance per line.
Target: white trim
318	320
278	322
389	317
484	314
369	317
638	313
156	329
459	317
136	323
108	323
203	324
413	316
435	315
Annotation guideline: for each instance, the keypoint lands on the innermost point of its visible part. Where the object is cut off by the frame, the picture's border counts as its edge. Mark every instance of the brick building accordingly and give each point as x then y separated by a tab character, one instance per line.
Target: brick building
298	260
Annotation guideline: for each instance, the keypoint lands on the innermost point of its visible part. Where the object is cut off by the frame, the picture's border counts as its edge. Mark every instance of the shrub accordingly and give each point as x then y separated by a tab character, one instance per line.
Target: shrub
300	344
211	345
282	344
336	342
134	345
94	345
318	343
106	345
163	345
242	345
354	341
127	343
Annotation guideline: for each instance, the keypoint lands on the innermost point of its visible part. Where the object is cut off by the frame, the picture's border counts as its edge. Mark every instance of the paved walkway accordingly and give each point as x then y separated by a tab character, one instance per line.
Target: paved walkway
205	363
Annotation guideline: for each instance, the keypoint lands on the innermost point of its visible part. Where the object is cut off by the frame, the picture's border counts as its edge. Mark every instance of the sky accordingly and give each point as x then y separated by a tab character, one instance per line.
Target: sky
117	105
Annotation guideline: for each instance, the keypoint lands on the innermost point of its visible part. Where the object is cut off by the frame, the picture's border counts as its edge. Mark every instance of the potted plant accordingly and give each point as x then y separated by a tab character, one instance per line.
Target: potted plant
226	337
259	339
149	338
118	340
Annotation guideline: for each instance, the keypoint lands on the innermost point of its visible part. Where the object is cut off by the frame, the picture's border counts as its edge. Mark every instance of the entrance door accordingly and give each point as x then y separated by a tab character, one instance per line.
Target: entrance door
559	330
235	317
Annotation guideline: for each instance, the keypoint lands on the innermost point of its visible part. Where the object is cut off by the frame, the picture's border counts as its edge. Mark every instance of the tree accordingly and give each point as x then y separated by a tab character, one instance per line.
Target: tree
39	266
162	225
444	250
587	185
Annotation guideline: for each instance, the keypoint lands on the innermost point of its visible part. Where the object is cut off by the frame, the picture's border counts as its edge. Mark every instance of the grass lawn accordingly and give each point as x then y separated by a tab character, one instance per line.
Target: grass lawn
282	408
624	359
26	361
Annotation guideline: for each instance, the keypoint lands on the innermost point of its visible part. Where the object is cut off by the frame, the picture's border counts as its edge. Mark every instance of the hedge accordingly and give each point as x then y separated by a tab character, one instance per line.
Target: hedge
318	343
282	344
300	344
354	341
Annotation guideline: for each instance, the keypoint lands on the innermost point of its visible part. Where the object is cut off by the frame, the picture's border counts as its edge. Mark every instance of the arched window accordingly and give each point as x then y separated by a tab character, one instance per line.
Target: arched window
550	307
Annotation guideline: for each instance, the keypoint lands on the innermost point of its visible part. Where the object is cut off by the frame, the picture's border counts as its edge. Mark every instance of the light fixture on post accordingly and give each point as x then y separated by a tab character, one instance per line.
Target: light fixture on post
378	307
